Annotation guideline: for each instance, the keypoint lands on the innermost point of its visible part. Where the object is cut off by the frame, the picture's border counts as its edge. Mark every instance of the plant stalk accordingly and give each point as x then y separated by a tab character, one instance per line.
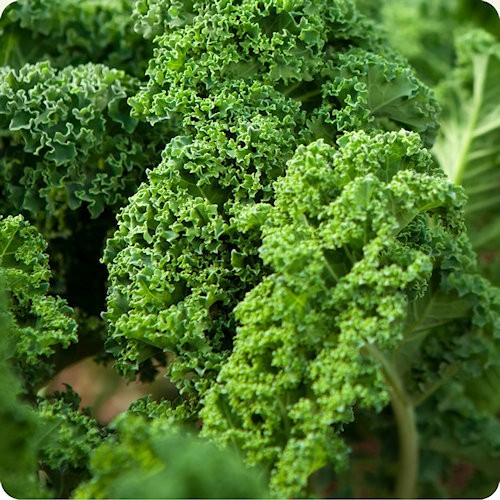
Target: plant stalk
406	481
404	412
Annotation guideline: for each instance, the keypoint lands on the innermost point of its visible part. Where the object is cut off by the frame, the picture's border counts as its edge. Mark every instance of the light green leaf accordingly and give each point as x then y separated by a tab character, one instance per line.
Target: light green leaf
468	146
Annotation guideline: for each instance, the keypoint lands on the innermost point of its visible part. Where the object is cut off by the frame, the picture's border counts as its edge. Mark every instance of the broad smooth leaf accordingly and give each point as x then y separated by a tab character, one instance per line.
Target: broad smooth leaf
468	147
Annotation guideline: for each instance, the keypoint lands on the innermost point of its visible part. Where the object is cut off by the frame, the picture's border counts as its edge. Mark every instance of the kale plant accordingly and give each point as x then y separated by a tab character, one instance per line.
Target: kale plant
285	208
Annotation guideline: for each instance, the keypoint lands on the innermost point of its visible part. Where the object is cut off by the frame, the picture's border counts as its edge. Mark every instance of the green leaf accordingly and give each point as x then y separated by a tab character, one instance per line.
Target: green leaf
42	323
468	145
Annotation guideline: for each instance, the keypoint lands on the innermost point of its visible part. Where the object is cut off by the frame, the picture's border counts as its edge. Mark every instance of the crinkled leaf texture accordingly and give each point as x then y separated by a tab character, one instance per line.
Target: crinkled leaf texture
73	32
52	434
359	237
68	138
70	438
247	82
297	47
42	323
177	263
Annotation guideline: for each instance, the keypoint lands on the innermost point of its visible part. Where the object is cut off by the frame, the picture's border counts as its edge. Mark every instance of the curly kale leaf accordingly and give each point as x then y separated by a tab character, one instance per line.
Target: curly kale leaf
68	138
367	90
177	263
20	429
297	47
52	435
72	32
155	17
246	84
358	236
71	436
42	323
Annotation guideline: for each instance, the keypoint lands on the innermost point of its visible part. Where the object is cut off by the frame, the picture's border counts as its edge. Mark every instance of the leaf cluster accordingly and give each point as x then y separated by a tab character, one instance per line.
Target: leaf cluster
72	32
72	133
41	323
244	97
359	238
252	197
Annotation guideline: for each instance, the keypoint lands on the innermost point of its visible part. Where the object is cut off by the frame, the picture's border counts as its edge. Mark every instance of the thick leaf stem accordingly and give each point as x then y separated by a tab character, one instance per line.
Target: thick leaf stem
480	70
408	444
404	412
